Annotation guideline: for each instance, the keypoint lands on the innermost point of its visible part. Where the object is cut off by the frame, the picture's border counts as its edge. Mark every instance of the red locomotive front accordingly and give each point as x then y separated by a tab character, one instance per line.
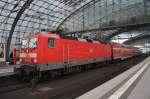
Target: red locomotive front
29	49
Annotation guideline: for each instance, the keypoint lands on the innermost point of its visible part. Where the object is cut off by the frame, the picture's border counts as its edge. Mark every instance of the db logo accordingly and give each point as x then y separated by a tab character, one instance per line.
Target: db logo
91	50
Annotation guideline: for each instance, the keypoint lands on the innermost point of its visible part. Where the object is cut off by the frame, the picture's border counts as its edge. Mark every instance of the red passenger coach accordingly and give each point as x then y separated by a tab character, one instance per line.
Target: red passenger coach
121	51
50	51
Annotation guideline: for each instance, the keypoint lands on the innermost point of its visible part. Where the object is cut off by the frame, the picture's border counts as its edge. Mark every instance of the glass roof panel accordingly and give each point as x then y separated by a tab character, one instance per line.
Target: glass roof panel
104	13
69	15
40	15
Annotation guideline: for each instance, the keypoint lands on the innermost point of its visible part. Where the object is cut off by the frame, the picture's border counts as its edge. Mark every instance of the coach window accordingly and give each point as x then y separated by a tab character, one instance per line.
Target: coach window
51	42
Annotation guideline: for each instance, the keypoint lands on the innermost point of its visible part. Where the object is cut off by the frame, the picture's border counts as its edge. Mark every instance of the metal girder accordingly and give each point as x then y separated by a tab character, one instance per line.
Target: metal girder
19	14
107	38
72	14
106	13
135	25
141	36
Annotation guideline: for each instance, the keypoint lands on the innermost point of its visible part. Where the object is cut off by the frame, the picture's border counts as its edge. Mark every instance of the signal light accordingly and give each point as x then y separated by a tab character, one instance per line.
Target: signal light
35	60
20	60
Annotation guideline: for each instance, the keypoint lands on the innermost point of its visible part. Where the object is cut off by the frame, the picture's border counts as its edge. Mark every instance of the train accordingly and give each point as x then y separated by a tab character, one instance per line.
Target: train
52	52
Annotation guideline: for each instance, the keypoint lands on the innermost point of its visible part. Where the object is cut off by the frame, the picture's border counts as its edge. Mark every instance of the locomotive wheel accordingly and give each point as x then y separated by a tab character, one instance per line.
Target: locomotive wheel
25	75
28	72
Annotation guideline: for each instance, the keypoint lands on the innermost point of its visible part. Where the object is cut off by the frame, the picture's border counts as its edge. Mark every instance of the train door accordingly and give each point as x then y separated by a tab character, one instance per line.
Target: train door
112	53
108	52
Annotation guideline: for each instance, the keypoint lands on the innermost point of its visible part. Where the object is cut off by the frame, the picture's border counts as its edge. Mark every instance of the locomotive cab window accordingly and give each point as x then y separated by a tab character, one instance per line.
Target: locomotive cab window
51	43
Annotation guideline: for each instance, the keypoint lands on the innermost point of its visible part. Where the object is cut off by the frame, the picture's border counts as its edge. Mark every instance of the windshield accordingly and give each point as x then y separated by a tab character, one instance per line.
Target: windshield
33	43
25	43
29	43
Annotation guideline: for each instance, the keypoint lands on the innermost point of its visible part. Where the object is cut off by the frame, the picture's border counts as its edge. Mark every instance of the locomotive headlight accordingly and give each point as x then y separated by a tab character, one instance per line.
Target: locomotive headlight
20	60
35	60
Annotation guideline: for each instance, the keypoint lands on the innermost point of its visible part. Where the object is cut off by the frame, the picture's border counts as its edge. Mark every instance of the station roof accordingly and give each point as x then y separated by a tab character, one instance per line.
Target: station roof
39	15
67	15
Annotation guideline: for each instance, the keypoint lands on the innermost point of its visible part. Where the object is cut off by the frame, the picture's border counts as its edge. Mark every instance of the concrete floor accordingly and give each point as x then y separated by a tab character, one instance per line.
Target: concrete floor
142	89
135	86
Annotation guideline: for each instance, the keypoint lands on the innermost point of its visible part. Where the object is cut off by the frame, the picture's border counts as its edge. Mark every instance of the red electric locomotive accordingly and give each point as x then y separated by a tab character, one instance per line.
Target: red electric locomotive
52	52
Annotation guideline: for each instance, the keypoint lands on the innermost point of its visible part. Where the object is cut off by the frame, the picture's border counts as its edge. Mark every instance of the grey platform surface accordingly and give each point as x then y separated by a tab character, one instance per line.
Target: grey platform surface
142	89
120	87
6	70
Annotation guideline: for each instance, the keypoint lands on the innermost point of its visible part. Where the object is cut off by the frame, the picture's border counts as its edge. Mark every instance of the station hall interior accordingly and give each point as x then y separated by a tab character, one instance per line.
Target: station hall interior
65	40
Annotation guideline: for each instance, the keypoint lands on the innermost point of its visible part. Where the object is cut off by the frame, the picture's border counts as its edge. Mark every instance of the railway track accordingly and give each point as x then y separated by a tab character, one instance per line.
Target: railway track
11	83
71	86
82	87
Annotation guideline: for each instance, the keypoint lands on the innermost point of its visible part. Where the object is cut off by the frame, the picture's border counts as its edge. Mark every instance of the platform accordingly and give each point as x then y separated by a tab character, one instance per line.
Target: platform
142	89
132	84
6	70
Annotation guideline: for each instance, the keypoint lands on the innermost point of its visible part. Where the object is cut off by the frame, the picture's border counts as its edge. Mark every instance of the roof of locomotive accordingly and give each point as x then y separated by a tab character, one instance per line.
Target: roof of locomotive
123	45
57	36
42	35
52	35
